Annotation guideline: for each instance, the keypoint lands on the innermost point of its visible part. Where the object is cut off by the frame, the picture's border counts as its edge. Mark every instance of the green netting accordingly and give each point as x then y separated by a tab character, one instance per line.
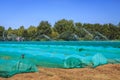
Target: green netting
99	59
9	68
76	61
57	55
72	62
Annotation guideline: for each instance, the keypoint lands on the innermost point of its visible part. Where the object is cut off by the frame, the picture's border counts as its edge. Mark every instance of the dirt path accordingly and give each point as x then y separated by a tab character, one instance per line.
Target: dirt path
105	72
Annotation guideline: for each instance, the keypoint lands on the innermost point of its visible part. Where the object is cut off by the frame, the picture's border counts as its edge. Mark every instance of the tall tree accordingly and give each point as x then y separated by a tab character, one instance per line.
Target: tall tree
113	32
21	31
54	34
9	31
25	35
64	25
78	24
1	32
11	34
32	31
78	29
44	28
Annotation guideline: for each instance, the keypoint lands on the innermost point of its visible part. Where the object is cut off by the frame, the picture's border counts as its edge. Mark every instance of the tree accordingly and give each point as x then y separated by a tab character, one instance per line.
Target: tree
9	31
105	30
32	31
1	32
54	34
44	28
88	26
97	27
21	31
114	32
25	35
78	29
64	25
78	24
63	30
11	34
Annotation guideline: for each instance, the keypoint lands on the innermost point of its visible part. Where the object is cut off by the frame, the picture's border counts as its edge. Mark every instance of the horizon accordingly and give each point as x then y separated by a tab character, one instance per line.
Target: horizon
15	13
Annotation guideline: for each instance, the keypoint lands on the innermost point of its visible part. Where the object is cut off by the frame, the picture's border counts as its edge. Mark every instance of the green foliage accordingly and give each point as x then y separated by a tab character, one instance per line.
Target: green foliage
44	28
32	30
78	29
25	35
1	30
54	33
9	31
88	37
63	30
21	31
64	25
78	24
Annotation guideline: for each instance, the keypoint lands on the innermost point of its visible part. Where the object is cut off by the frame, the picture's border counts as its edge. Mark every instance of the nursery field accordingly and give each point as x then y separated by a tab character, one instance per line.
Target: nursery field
22	57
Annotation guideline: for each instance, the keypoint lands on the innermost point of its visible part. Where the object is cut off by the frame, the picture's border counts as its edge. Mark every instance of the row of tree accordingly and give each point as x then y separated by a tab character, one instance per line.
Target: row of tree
62	30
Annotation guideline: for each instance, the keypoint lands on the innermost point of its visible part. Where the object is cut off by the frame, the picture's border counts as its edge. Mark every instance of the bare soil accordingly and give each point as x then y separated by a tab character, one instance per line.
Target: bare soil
105	72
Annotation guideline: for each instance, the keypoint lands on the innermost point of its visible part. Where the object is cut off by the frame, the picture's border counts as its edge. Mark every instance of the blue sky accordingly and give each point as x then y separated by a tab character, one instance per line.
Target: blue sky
14	13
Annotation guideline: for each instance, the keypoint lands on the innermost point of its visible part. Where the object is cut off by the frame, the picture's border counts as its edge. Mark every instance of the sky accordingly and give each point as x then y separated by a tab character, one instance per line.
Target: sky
16	13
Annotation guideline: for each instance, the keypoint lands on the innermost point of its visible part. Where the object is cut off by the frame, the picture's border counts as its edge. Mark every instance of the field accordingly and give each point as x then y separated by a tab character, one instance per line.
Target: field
105	72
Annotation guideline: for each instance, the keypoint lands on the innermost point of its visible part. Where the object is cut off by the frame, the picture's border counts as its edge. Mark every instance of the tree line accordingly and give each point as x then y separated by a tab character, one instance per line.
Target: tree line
62	30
